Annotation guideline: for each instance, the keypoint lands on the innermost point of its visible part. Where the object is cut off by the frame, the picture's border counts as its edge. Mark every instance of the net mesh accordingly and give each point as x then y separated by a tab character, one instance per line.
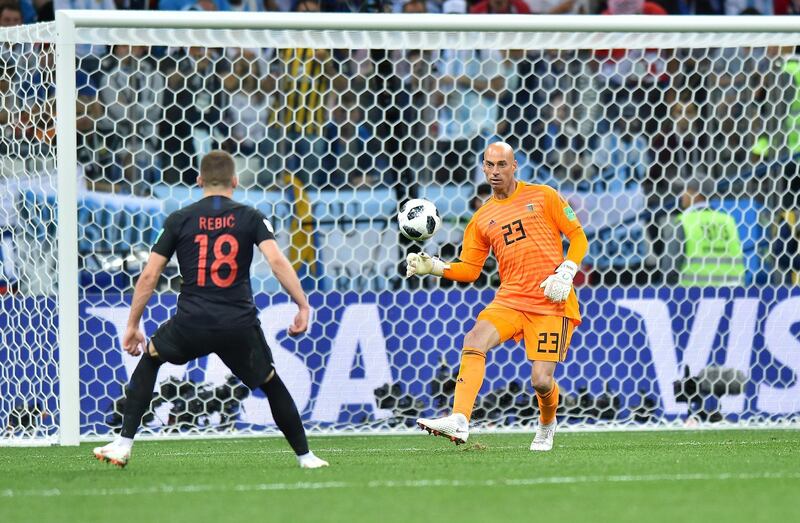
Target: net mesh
330	139
28	305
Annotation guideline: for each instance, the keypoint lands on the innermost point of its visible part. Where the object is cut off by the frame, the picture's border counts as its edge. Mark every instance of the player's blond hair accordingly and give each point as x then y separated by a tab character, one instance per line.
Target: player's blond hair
218	169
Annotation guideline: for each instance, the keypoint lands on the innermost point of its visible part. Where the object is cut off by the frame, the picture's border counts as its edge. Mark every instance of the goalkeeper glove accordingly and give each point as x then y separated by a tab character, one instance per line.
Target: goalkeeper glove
557	286
422	264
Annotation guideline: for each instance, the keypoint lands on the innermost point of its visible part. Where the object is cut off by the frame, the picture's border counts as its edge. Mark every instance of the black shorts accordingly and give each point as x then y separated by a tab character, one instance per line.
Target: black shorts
244	350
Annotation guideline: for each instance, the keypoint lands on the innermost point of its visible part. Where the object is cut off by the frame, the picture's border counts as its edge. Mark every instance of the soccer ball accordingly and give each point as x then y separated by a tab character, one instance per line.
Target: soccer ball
418	219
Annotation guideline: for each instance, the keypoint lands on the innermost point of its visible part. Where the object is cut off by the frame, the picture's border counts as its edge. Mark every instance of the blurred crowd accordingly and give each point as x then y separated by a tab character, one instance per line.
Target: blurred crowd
650	132
32	11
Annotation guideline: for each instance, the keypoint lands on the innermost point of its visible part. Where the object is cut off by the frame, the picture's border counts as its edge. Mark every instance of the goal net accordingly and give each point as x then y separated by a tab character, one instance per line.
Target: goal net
643	125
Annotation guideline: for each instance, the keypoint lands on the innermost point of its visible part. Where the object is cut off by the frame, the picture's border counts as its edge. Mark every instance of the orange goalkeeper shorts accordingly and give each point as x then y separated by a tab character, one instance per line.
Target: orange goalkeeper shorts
546	337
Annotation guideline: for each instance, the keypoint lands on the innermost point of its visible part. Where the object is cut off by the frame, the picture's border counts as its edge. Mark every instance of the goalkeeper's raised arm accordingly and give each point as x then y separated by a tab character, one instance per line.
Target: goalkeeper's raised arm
522	224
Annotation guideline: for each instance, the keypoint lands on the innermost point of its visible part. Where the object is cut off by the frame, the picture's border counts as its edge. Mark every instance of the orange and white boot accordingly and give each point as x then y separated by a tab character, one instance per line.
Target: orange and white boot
117	453
454	427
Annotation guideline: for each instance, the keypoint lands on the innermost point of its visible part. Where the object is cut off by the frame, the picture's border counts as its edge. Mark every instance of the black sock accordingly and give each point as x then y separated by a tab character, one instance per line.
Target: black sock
285	414
139	394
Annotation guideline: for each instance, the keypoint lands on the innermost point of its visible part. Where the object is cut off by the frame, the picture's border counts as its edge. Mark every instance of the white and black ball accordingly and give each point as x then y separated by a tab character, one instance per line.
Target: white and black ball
419	219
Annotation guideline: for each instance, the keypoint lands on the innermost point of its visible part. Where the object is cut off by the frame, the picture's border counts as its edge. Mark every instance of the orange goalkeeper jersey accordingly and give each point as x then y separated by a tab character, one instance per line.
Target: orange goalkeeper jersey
524	232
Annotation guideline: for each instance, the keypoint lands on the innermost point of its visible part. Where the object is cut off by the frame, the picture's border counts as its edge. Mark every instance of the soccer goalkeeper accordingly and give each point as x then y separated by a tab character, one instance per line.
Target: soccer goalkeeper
522	224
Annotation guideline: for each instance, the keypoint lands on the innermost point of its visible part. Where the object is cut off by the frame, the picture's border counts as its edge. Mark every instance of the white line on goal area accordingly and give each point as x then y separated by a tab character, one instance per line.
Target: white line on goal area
448	448
443	449
416	483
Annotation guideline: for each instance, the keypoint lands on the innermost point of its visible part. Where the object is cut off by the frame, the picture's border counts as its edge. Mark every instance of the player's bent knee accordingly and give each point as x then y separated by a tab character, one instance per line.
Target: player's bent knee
270	376
476	341
542	383
152	352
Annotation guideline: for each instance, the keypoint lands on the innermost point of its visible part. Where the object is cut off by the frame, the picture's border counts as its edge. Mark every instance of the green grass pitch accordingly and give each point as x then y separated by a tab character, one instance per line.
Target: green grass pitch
730	475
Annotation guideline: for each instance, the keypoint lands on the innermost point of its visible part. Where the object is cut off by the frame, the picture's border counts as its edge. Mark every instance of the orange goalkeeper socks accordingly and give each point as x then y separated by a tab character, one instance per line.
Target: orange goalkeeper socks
470	379
548	403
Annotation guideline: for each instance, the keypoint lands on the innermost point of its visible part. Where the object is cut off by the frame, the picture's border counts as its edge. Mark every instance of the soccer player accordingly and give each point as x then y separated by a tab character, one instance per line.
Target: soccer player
522	224
213	239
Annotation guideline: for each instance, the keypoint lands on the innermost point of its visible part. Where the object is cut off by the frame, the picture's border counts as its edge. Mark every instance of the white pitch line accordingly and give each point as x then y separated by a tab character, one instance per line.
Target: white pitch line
444	448
417	483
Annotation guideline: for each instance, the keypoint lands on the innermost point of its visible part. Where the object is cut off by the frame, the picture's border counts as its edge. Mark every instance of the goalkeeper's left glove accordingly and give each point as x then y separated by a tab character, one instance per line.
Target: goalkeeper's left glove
422	264
557	286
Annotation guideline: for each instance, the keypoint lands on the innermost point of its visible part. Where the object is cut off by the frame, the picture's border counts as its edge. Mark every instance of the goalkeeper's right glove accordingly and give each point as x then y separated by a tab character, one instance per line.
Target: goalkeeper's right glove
557	286
422	264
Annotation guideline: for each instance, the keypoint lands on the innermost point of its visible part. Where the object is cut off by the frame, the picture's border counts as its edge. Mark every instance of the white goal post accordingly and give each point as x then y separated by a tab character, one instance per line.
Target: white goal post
617	112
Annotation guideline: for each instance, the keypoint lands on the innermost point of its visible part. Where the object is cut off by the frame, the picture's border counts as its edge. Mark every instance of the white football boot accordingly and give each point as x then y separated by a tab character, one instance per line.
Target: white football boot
310	461
454	427
543	441
114	453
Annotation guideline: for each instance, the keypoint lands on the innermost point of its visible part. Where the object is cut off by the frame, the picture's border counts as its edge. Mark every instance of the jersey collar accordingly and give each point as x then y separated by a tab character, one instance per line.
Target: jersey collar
518	188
